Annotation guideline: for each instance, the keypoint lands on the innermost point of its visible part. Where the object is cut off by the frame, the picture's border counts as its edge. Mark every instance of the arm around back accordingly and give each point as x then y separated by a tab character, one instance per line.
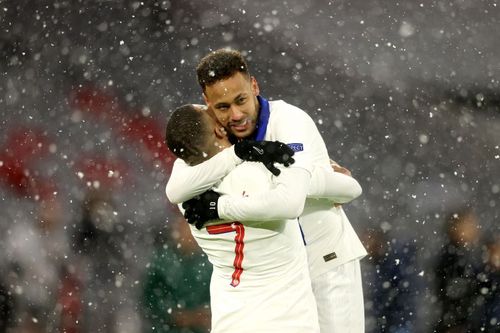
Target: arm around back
186	181
285	201
339	188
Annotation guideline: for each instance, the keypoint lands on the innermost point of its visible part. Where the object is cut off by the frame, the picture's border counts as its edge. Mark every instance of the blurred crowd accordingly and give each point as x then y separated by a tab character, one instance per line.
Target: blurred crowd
83	276
464	280
79	277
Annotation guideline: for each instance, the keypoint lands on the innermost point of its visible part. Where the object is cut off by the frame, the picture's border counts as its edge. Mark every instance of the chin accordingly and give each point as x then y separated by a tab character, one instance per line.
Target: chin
242	134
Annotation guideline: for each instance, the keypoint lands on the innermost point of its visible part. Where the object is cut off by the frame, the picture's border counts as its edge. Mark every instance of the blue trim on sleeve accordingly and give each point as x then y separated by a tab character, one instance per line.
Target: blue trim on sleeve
260	130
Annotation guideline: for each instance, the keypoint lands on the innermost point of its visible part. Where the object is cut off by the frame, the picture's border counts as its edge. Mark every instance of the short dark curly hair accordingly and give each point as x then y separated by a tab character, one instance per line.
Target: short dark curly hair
219	65
186	134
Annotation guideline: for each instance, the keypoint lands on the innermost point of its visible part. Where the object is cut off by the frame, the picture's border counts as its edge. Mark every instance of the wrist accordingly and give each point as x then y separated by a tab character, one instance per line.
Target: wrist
232	153
221	206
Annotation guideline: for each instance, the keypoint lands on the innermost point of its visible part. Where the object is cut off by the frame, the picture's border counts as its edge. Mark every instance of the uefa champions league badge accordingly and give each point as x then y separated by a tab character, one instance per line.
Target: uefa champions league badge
296	147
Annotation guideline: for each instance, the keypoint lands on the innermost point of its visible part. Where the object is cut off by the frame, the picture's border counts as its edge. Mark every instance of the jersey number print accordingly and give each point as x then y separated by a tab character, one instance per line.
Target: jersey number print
238	249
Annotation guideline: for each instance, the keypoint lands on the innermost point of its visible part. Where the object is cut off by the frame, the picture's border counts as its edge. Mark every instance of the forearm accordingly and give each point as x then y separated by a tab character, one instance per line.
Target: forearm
186	181
285	201
335	186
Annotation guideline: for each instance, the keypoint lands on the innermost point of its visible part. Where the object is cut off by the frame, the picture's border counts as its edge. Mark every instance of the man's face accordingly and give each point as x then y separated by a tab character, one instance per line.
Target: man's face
217	135
234	102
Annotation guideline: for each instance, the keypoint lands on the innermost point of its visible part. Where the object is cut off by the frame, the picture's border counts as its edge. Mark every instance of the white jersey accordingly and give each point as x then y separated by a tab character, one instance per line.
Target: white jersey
260	280
328	234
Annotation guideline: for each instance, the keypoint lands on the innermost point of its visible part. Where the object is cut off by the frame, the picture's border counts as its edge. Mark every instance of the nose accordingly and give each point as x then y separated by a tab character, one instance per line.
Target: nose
236	113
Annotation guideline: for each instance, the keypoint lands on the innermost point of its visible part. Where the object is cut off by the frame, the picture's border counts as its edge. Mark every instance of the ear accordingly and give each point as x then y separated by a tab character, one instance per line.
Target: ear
205	99
255	86
220	132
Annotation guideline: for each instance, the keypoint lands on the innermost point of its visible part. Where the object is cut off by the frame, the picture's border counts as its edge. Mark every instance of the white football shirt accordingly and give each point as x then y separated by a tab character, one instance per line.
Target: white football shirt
260	280
328	234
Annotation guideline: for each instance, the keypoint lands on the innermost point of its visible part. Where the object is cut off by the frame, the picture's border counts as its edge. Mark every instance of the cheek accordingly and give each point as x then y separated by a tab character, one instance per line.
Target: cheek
223	118
252	111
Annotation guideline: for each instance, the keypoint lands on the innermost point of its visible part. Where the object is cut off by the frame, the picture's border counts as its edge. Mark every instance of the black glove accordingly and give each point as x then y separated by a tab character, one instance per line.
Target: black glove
266	152
201	208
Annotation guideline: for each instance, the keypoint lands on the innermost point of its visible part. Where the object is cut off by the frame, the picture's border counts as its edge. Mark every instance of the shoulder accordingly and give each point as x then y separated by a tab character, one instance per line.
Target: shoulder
280	108
281	105
180	163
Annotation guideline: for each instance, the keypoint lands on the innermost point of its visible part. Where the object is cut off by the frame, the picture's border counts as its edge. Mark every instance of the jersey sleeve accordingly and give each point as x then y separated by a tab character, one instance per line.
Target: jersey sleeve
334	186
186	181
296	128
285	201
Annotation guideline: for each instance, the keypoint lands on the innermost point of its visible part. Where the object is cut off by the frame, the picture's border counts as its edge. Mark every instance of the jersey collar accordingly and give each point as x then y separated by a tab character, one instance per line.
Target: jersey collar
260	129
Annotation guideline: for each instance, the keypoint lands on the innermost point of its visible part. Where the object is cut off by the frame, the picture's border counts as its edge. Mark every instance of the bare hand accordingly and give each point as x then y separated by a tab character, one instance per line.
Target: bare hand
340	169
337	168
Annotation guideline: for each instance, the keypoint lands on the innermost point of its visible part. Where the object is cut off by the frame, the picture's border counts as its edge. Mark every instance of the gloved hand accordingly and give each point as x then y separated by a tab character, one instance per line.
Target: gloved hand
201	208
266	152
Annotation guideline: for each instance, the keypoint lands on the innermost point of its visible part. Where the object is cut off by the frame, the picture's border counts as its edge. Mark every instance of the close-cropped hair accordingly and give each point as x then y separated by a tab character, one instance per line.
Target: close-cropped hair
219	65
186	134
